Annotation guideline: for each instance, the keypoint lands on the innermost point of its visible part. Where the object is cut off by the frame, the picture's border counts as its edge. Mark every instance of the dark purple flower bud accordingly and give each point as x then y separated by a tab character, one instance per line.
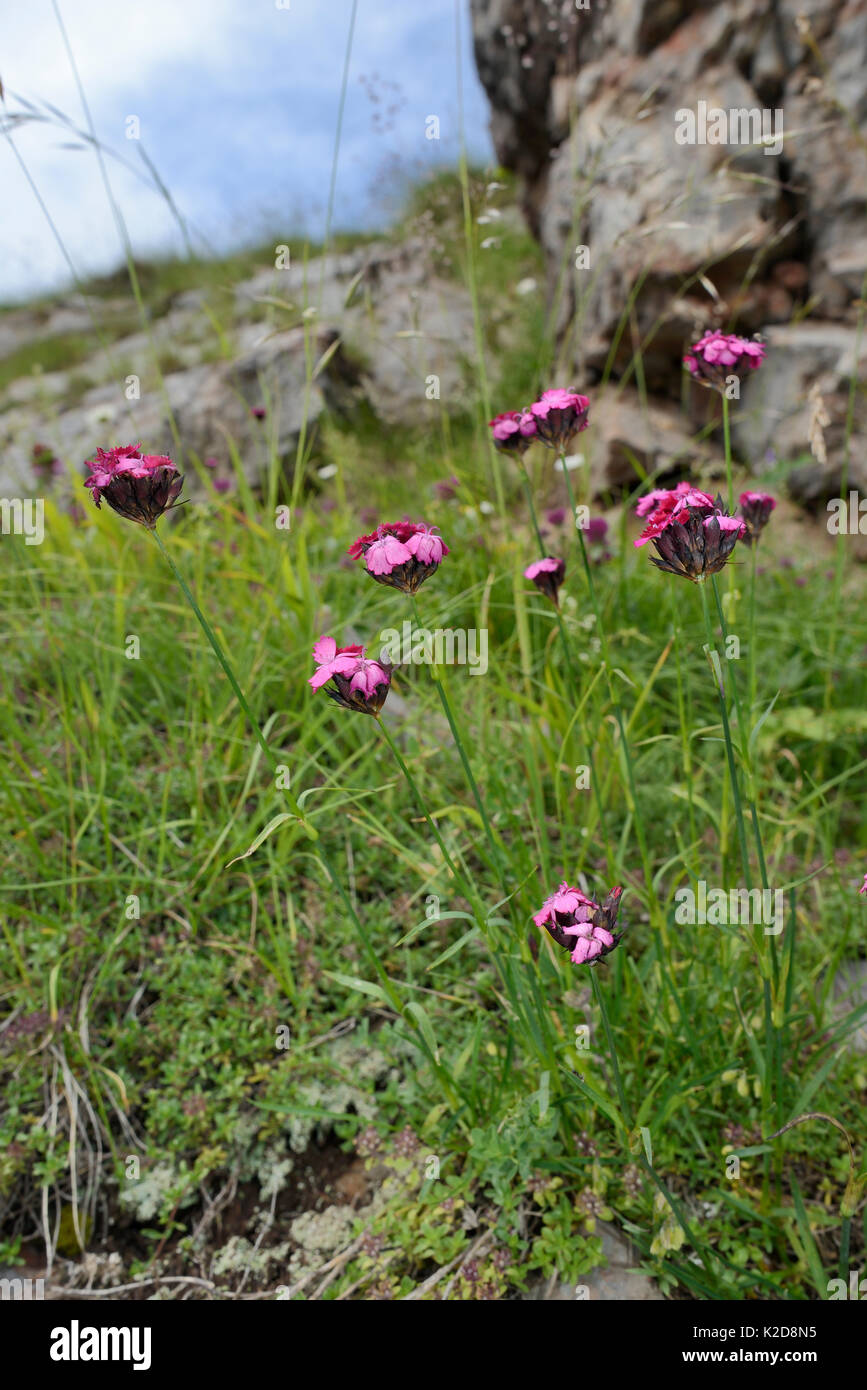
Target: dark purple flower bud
547	575
756	508
445	490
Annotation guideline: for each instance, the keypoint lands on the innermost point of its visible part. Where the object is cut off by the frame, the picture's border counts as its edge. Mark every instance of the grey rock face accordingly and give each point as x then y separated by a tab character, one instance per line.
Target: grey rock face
775	409
618	1281
373	326
586	106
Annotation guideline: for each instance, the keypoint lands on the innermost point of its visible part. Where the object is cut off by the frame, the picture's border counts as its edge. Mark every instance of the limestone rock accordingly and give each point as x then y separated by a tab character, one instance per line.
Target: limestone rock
682	237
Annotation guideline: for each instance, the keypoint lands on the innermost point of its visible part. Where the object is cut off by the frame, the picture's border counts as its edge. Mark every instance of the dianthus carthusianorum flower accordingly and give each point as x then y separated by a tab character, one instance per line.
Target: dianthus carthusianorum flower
692	533
559	416
581	925
401	554
137	486
358	683
717	356
547	574
756	508
513	431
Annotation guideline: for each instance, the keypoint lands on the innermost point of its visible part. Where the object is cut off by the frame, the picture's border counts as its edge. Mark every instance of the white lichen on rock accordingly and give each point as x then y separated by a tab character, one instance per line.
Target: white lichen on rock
145	1196
239	1256
323	1231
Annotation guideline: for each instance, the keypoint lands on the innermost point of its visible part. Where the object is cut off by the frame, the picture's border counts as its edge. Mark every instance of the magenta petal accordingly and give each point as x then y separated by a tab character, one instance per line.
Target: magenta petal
385	554
428	550
324	650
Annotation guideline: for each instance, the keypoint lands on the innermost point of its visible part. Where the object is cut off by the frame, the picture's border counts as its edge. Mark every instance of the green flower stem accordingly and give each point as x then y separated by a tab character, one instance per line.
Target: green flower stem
629	1120
311	830
567	650
727	442
743	727
239	694
656	917
625	1108
733	775
495	848
573	676
747	760
478	908
772	1098
771	1039
752	626
466	888
684	722
845	1236
528	493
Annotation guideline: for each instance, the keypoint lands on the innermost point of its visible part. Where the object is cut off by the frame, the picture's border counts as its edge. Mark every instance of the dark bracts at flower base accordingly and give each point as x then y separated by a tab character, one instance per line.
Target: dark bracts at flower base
359	683
756	508
401	554
547	574
691	532
559	416
697	545
139	487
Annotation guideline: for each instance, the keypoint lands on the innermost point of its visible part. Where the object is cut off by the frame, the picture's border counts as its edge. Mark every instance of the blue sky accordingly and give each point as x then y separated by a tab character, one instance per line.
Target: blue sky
237	102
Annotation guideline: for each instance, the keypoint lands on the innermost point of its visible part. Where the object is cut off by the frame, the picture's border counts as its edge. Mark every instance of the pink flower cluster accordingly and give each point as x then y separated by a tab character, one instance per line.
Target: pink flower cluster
554	419
359	683
719	355
690	530
664	506
569	913
126	458
513	431
559	416
401	554
137	486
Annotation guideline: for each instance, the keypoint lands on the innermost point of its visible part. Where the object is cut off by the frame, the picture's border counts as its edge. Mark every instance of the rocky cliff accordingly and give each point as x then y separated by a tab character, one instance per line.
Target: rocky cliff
609	114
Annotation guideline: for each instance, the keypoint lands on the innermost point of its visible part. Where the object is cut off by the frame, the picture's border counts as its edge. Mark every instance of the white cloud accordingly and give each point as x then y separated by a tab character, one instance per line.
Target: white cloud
238	107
